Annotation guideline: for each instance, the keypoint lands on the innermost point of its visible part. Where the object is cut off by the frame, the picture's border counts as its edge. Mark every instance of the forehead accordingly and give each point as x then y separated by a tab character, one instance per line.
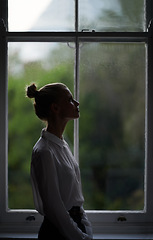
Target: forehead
67	93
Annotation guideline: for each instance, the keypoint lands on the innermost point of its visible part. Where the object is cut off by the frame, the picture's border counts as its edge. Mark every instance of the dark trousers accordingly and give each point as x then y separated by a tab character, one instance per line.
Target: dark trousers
49	232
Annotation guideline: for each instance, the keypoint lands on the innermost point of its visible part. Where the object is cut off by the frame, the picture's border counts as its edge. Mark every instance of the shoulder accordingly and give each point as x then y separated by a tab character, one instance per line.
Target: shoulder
41	150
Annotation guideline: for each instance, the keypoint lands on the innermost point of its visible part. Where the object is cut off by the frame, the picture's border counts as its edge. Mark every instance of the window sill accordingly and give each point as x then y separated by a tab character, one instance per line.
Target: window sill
19	236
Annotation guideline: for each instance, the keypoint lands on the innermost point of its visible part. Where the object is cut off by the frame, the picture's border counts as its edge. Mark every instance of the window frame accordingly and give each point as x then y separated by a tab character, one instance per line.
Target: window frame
28	221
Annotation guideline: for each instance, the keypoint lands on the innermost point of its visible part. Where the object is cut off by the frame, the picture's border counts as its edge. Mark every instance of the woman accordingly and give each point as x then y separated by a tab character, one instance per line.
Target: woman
54	171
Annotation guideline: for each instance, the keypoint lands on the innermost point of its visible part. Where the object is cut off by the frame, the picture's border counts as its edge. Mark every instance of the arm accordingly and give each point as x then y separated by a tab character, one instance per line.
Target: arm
54	208
86	223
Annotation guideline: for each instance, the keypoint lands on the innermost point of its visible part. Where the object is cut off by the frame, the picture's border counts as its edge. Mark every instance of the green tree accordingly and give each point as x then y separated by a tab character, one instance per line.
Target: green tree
112	97
24	126
130	17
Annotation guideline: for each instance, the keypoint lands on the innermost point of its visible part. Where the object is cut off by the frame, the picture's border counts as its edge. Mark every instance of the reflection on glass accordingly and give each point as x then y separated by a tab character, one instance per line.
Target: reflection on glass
54	65
112	125
38	15
112	15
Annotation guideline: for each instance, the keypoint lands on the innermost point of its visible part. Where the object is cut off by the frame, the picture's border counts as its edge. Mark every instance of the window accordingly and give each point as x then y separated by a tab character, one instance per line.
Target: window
103	51
24	68
112	125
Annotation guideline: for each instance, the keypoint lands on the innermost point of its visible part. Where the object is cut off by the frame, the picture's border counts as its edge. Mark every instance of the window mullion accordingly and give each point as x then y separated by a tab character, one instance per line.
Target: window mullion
149	169
149	12
40	36
4	12
76	15
76	95
3	120
83	36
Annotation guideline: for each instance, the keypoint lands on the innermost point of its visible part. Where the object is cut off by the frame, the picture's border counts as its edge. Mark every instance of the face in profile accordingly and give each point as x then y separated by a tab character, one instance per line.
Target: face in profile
69	108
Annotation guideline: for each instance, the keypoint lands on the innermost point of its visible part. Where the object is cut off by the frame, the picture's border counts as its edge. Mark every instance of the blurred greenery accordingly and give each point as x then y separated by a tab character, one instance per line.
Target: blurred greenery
113	15
130	18
112	122
24	128
112	97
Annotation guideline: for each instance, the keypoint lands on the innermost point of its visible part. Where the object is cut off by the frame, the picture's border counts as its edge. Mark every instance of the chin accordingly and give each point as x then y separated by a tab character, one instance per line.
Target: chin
76	117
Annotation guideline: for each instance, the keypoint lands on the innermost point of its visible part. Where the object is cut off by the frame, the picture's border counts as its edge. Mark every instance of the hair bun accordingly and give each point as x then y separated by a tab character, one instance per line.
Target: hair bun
32	91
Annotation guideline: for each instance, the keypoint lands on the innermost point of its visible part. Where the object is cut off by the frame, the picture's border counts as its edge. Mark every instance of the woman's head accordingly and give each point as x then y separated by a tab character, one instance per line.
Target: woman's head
51	97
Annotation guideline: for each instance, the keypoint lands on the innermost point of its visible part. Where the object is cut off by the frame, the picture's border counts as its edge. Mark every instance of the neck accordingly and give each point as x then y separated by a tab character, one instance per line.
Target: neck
57	128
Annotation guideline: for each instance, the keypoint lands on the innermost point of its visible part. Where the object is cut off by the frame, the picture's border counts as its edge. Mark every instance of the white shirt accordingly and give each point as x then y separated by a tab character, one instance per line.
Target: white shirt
56	185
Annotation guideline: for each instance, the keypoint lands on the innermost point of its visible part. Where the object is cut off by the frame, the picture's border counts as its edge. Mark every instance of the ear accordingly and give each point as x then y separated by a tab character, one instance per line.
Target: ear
54	108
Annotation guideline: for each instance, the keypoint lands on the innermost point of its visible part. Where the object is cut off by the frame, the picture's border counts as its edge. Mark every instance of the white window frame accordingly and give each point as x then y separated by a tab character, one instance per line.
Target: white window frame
103	222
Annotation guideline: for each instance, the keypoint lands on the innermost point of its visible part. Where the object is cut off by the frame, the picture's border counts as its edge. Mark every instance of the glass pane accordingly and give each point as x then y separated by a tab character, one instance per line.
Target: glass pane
29	15
112	15
54	64
112	125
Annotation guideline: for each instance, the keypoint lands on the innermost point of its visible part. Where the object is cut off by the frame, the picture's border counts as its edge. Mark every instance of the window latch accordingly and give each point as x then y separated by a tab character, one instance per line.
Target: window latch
87	30
30	218
121	219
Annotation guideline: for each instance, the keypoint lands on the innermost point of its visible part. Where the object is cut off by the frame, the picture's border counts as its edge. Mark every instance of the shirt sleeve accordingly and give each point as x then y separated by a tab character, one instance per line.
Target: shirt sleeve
54	209
86	223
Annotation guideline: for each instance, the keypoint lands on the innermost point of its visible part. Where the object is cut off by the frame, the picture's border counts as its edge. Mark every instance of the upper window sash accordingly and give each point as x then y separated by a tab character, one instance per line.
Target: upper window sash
67	15
148	5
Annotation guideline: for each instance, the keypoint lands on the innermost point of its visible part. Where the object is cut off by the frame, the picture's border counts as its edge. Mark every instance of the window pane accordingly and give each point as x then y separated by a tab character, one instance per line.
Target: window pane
29	15
112	125
112	15
54	64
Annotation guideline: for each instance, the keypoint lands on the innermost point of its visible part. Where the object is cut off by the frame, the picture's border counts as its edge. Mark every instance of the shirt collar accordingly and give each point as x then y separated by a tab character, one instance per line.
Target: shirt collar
51	137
